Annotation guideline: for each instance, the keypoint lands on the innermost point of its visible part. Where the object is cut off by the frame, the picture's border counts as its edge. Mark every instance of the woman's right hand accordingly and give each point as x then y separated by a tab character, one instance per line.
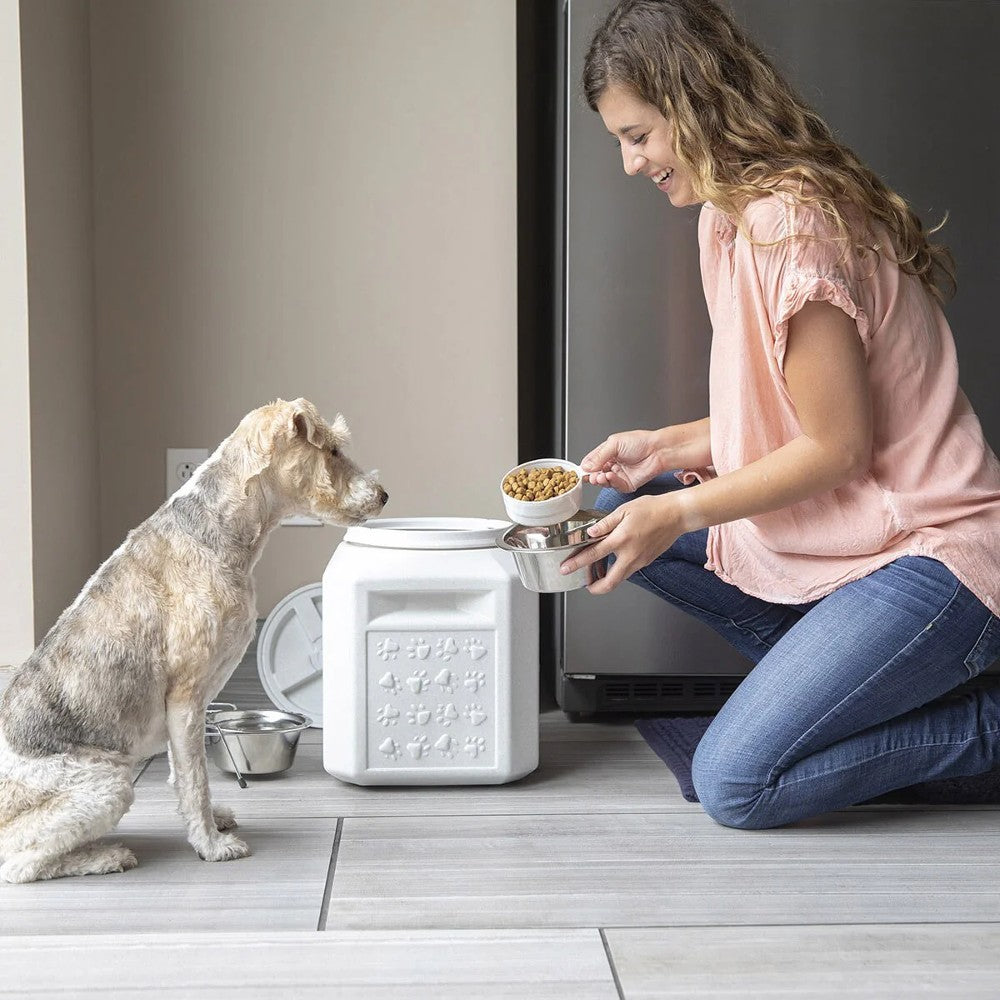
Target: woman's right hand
625	461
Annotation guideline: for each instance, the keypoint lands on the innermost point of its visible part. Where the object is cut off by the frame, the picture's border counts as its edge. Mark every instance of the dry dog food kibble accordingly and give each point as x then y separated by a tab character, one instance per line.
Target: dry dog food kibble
539	484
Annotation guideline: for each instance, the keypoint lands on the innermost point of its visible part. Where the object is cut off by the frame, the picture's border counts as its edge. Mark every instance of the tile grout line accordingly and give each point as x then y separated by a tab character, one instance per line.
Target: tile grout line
611	963
324	908
142	770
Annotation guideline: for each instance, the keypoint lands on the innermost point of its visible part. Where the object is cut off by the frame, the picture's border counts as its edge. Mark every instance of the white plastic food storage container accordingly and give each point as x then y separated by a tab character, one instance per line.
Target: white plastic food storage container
430	656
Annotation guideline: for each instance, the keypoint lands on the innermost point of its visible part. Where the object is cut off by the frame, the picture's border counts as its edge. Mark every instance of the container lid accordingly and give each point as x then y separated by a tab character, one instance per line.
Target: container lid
427	533
290	653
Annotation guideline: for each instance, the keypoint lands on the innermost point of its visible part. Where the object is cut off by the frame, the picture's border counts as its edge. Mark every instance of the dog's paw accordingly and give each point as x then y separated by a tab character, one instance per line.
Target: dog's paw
114	859
18	872
225	847
224	818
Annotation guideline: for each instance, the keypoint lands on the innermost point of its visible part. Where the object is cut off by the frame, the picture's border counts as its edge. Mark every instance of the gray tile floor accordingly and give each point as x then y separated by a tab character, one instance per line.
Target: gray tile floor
591	877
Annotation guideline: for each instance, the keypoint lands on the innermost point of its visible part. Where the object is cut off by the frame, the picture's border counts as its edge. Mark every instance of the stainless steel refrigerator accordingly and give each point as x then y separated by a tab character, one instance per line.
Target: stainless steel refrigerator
911	86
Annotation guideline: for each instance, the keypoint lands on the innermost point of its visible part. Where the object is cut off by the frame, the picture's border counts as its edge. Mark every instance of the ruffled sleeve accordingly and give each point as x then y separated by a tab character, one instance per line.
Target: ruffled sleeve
689	477
804	263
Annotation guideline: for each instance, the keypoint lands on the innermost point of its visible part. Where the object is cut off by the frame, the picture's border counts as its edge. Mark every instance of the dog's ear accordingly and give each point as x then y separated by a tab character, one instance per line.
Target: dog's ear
305	417
261	429
257	454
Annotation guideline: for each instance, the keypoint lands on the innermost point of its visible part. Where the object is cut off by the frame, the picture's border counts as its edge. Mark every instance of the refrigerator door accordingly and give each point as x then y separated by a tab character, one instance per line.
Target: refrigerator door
894	79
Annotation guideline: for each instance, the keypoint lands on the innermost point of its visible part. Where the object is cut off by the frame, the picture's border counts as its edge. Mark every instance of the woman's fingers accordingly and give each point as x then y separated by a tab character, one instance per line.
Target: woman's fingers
603	455
612	477
620	570
602	546
591	554
606	525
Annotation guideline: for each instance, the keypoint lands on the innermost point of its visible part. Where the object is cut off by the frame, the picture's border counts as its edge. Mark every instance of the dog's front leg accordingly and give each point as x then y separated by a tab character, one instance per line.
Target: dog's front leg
186	729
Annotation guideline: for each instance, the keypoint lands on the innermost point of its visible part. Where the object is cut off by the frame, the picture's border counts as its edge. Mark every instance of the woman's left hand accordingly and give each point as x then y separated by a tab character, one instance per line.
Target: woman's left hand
635	533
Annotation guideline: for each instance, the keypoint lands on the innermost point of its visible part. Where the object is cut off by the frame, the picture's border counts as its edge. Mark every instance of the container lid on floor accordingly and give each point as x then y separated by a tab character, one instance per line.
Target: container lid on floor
290	653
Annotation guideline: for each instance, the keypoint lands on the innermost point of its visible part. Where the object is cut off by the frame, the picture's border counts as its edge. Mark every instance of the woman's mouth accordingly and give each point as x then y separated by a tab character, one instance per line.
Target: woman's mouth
661	179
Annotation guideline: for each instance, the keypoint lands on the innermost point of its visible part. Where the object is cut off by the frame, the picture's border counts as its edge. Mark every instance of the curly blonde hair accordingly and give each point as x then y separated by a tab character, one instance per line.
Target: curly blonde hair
742	131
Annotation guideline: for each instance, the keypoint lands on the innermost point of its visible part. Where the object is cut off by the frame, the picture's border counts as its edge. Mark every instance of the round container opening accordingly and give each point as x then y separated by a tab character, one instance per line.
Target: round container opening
427	533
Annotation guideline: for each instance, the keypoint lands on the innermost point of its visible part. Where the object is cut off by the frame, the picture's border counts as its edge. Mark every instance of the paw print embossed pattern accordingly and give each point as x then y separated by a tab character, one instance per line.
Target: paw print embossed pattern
431	699
390	682
475	714
446	680
446	649
387	715
388	649
418	649
474	680
474	648
418	715
418	681
446	746
446	714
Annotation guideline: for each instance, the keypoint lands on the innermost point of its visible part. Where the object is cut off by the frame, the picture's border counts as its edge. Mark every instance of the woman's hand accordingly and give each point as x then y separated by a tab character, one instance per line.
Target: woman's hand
636	533
625	461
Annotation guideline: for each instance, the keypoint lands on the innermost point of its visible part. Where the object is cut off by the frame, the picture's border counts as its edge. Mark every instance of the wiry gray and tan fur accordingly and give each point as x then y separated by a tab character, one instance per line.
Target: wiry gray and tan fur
131	665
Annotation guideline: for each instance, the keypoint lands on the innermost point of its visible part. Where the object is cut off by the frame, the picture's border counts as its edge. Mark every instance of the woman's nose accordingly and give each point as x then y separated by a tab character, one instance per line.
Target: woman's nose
632	161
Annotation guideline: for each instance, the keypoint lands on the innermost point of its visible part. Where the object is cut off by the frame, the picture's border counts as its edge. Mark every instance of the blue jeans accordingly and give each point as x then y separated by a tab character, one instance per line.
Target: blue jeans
849	697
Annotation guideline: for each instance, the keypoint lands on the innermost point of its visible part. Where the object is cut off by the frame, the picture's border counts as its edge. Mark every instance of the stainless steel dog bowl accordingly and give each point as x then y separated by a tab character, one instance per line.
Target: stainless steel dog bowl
539	551
252	742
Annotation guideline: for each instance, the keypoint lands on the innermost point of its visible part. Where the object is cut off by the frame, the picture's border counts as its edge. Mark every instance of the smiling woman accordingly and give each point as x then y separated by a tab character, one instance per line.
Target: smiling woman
843	531
648	143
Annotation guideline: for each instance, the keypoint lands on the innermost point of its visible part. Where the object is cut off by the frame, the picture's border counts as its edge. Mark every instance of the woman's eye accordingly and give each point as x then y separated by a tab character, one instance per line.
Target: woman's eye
640	140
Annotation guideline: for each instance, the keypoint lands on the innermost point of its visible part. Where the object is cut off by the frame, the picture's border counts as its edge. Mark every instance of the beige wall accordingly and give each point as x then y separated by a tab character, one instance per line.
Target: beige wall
16	614
307	198
55	76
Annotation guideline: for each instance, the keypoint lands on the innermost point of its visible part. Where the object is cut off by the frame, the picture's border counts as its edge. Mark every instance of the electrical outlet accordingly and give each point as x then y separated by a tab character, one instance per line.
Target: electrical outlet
181	463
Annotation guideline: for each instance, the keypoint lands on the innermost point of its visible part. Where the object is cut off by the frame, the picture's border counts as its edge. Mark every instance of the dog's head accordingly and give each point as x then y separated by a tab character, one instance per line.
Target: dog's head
300	461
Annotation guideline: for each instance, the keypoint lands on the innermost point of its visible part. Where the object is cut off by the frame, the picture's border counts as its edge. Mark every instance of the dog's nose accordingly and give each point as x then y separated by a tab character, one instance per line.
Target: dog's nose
383	496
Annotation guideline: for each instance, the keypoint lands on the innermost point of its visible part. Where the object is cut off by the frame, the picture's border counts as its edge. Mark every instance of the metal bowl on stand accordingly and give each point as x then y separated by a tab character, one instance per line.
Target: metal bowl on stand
253	742
539	551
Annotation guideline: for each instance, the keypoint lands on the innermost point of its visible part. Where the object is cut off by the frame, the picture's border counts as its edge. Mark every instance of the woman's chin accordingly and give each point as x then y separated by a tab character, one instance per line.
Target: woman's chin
681	198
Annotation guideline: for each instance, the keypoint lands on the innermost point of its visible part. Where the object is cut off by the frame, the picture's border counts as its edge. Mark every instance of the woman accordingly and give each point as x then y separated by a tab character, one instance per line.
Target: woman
844	529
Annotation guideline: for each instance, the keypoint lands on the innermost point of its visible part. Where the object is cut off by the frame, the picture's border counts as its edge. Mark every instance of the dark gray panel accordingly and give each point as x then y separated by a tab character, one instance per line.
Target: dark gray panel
910	85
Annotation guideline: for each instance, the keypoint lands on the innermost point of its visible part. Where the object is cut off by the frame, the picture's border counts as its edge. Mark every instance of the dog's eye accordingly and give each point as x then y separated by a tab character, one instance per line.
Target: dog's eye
335	452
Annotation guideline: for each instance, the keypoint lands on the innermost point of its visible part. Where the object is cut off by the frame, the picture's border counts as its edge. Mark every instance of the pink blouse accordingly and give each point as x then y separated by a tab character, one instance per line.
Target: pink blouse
933	488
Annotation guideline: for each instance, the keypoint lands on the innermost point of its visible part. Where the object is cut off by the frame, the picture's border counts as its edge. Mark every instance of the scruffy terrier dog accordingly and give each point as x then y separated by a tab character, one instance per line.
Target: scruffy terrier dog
132	664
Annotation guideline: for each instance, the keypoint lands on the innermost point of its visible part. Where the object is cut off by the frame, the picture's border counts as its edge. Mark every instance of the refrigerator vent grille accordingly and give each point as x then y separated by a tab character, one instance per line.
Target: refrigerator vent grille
643	694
